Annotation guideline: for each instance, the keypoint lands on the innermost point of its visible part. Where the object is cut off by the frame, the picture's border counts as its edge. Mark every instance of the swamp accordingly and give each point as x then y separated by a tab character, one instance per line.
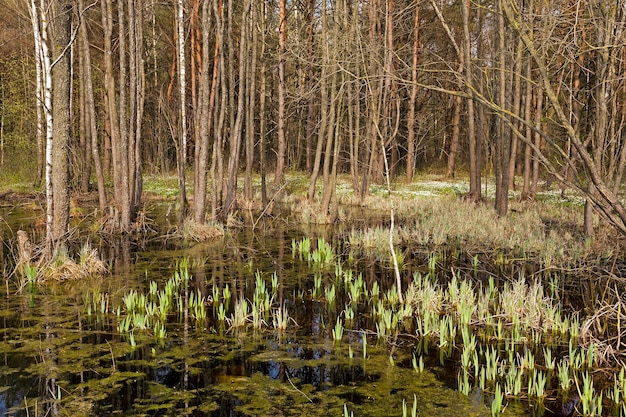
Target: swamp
309	207
276	317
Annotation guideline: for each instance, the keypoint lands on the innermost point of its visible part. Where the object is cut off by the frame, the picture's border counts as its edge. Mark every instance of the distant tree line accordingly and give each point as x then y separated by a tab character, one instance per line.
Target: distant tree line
103	91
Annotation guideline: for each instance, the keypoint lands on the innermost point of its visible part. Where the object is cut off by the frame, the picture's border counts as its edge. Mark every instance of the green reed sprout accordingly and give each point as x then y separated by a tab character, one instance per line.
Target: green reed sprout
364	341
330	294
338	330
496	404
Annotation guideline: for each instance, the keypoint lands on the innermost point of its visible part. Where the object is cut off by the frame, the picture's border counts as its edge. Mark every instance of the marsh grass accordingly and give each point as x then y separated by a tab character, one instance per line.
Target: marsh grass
64	267
310	212
191	230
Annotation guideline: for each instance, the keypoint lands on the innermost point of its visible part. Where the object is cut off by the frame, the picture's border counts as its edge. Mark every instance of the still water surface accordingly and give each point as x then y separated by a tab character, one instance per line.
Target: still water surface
62	358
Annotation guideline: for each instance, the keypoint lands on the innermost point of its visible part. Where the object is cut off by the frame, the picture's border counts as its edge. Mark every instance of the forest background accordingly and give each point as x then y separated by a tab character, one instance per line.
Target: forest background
93	94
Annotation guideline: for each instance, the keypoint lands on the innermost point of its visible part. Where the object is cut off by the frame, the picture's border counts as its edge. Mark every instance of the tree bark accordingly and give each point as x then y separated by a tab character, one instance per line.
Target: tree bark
90	110
236	133
182	94
205	120
474	156
282	43
415	59
61	28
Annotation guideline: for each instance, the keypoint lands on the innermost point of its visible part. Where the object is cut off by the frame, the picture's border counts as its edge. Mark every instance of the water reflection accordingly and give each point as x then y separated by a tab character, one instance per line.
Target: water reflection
60	359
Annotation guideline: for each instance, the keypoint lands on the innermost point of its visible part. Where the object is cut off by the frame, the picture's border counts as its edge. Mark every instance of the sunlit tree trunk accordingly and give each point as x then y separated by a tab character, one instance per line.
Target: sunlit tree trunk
39	20
206	109
324	107
251	74
282	42
217	160
474	155
124	144
262	101
90	111
111	96
237	131
528	117
310	82
503	139
182	119
415	59
61	21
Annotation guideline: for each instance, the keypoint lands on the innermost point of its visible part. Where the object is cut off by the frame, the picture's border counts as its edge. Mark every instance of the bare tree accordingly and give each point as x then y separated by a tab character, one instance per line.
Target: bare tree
282	42
90	110
181	160
51	24
205	109
415	57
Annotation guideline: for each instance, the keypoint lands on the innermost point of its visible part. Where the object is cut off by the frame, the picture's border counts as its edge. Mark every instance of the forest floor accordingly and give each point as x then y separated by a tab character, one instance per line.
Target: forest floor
429	211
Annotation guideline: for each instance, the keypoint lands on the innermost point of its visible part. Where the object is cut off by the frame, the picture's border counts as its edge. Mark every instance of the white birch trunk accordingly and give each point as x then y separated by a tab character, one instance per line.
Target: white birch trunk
39	21
182	83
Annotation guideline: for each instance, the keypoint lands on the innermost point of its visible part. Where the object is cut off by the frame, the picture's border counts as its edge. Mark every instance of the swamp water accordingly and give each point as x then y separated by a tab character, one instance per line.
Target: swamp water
268	322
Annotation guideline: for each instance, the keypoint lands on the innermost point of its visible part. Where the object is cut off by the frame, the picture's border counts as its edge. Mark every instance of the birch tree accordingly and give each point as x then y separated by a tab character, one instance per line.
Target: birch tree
181	159
51	24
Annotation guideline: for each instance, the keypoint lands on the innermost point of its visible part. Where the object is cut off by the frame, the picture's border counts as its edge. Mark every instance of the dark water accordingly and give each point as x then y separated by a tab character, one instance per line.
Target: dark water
60	357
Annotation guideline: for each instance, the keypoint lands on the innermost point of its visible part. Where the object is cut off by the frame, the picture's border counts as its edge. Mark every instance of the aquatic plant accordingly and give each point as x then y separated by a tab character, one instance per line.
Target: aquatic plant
338	330
413	408
280	319
30	272
587	395
496	404
240	315
463	382
317	284
330	294
364	342
418	365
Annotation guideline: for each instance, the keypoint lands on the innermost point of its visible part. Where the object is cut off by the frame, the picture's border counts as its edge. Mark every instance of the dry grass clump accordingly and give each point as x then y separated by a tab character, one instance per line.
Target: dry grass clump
310	212
526	231
62	267
373	241
547	232
201	232
32	266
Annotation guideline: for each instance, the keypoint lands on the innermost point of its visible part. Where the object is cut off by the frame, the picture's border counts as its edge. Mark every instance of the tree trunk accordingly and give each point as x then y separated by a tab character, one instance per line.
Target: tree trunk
474	156
282	43
217	160
324	107
110	97
310	81
236	133
251	105
415	59
125	202
90	110
528	117
61	131
503	141
182	92
262	101
205	123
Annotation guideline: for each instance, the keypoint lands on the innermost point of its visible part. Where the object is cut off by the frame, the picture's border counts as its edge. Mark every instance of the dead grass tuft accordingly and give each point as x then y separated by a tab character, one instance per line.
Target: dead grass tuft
62	267
201	232
311	213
